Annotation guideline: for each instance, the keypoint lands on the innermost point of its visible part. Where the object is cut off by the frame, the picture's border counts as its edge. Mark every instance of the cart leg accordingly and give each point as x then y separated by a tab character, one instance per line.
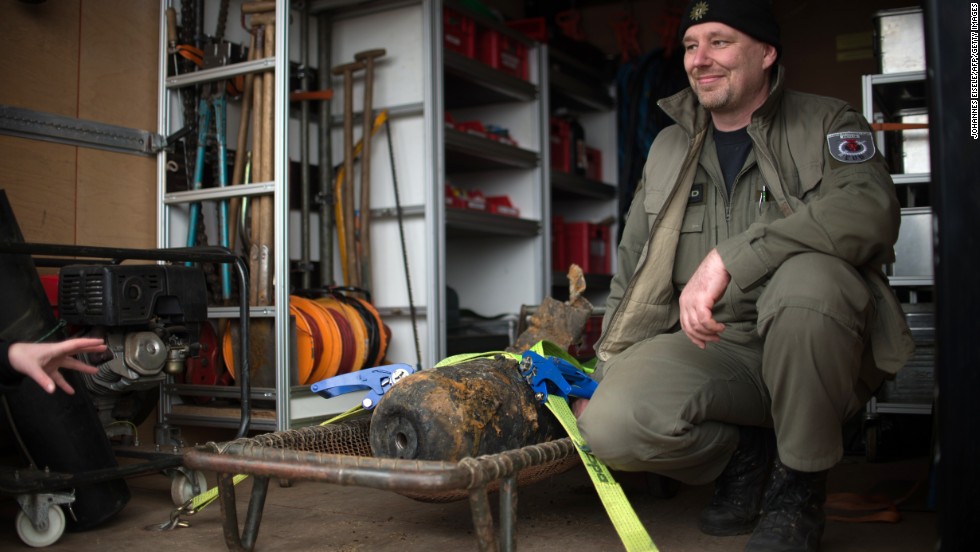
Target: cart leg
260	489
253	517
482	519
229	514
508	513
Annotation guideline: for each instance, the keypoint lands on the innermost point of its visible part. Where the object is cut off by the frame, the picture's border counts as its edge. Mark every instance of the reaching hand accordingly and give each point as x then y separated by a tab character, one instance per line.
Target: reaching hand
702	291
41	361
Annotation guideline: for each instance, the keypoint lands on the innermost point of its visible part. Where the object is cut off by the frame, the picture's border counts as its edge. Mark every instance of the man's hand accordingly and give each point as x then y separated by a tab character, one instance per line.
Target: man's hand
702	291
41	361
578	406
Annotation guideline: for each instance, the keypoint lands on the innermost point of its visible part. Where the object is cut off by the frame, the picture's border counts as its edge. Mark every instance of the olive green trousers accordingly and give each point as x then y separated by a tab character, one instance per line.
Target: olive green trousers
666	406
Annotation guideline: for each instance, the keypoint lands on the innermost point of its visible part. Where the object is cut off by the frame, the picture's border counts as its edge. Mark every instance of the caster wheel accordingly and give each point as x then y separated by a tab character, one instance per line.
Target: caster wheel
182	486
39	538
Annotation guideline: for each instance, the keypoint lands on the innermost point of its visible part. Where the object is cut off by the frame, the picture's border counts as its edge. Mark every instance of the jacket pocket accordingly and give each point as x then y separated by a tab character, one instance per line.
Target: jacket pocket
692	244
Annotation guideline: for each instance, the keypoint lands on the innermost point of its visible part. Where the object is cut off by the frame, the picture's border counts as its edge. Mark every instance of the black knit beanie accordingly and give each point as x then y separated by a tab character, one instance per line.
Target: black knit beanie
752	17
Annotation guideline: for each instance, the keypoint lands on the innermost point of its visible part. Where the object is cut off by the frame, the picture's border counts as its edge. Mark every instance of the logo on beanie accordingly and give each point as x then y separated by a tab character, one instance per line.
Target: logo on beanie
851	147
698	11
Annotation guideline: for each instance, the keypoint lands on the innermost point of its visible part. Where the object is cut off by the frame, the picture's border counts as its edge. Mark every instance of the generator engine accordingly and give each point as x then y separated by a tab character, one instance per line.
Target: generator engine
150	317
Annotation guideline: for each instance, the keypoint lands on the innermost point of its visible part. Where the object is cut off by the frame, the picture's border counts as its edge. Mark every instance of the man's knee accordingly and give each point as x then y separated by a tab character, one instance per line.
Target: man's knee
608	431
820	283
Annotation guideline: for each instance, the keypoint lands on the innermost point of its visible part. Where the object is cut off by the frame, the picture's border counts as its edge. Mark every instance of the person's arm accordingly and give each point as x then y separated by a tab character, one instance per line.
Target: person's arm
42	361
855	218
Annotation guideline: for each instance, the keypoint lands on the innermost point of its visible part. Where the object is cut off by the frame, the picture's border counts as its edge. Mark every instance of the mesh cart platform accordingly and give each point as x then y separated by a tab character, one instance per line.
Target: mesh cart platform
341	454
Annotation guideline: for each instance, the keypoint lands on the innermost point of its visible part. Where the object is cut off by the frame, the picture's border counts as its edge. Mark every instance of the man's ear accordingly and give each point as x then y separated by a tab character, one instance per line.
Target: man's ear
769	55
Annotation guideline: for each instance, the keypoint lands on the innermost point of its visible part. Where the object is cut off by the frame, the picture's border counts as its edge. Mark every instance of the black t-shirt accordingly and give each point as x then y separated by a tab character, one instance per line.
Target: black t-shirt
732	148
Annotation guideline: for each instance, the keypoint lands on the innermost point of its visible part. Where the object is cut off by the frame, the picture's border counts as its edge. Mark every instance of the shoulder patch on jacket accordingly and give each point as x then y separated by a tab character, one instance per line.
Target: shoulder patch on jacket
851	147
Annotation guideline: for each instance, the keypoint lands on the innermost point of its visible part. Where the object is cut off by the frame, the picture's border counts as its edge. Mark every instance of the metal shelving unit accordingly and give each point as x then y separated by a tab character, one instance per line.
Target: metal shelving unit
496	261
281	399
901	98
582	91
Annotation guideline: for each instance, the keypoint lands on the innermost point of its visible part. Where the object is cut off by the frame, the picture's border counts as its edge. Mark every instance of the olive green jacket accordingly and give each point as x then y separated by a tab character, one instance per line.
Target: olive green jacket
848	210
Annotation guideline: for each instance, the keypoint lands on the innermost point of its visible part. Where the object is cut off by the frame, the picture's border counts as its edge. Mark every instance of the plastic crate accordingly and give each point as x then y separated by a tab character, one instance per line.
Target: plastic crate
599	247
503	53
577	245
587	245
561	149
594	157
501	205
458	32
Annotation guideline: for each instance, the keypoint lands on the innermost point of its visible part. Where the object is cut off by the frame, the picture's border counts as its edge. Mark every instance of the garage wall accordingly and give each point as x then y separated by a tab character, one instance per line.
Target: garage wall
827	44
89	59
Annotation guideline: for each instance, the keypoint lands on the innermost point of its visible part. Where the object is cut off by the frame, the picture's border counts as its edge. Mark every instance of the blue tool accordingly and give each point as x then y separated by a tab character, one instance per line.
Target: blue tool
375	380
553	375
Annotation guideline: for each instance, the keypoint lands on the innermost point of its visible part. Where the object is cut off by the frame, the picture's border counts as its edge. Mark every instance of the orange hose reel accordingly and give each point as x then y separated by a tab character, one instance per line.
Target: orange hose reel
308	348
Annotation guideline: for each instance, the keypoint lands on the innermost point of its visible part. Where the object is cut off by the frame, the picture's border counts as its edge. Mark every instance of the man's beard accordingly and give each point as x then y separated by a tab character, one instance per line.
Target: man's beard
714	99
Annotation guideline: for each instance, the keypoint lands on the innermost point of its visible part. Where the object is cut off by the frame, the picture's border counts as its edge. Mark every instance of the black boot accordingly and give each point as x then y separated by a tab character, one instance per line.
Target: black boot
734	508
792	512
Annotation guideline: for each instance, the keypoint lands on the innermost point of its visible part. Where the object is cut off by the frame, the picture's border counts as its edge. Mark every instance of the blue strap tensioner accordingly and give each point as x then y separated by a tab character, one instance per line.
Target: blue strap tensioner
376	380
554	375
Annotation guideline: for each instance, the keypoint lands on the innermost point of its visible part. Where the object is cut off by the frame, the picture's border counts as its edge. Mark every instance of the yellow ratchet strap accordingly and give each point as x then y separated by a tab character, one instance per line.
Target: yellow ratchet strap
624	519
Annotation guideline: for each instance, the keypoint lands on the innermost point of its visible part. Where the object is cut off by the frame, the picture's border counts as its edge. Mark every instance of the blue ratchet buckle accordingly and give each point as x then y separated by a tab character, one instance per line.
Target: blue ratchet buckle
376	380
554	375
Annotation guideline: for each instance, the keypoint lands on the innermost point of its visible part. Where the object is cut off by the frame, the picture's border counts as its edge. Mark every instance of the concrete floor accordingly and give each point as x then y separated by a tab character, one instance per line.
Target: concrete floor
557	514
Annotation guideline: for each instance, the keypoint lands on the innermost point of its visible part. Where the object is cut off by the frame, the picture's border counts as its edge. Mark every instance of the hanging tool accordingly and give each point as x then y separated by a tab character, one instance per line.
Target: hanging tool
304	149
325	198
339	181
401	235
346	201
212	99
375	380
364	237
238	171
266	230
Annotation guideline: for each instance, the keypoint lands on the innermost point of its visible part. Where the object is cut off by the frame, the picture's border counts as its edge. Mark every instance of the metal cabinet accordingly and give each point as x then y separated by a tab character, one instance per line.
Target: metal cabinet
892	99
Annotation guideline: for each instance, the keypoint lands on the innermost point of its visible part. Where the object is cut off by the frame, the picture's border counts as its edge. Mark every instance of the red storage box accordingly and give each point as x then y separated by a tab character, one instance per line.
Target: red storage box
594	158
501	205
561	149
577	245
599	247
503	53
458	32
587	245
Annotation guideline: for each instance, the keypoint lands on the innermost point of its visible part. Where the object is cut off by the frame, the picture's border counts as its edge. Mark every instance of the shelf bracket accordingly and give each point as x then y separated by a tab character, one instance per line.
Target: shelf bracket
37	125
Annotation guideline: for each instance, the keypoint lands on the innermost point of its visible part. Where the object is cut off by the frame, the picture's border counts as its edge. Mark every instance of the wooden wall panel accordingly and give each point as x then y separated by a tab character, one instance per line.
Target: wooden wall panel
39	179
118	85
94	60
39	60
40	68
